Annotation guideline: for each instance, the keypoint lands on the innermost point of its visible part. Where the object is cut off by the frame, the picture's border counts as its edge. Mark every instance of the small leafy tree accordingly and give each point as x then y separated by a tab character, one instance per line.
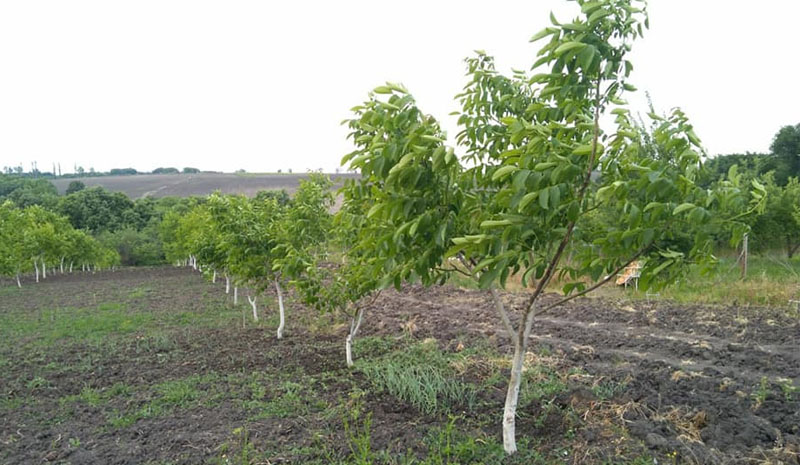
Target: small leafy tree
75	186
779	225
13	227
301	233
338	279
537	163
248	241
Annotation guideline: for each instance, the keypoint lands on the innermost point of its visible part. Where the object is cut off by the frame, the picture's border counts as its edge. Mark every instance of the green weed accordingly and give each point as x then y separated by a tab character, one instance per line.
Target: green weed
423	377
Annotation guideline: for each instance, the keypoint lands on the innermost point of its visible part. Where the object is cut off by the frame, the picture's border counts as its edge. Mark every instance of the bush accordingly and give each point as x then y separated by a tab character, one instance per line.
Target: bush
75	186
136	248
166	171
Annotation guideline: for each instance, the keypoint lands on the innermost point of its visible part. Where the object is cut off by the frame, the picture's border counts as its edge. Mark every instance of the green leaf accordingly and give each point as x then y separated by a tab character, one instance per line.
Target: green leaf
682	208
693	138
375	209
604	193
597	15
585	149
543	33
555	196
495	223
586	56
544	198
652	205
382	90
588	7
661	267
502	172
544	166
527	199
566	47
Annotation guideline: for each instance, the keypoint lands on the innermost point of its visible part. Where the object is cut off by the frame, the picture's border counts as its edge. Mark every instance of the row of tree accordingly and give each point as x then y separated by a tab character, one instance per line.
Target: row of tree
538	175
258	243
32	238
542	191
34	173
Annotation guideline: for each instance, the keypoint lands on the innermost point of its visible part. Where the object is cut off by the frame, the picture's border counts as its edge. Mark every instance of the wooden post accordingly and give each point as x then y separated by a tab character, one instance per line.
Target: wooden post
743	257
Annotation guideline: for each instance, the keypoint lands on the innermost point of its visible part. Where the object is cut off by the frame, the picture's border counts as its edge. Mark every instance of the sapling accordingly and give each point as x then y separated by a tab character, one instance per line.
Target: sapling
536	164
280	309
252	301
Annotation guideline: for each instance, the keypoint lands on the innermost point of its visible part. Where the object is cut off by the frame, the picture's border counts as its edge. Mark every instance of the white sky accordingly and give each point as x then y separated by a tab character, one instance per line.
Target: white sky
263	85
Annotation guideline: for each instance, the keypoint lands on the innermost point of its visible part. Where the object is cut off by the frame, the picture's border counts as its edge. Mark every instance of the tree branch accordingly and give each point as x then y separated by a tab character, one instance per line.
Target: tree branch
571	226
599	283
453	269
501	309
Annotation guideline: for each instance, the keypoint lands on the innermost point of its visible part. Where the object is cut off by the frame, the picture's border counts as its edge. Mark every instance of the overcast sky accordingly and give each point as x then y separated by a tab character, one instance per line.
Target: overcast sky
263	86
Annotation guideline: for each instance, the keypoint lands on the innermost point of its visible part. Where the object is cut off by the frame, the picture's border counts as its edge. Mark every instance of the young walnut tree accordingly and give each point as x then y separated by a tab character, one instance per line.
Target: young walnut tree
536	163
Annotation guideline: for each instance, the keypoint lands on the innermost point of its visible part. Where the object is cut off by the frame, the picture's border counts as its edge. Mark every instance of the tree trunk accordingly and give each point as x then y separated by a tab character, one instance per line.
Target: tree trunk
512	395
252	301
70	266
36	267
44	270
61	265
791	248
214	277
280	309
235	295
227	284
355	323
19	284
194	262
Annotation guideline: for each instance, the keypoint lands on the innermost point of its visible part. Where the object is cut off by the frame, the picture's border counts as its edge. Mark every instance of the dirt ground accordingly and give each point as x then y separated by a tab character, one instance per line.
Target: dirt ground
170	376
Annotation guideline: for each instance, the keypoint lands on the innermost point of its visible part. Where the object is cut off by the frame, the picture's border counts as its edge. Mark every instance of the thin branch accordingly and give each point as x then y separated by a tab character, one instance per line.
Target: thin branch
445	270
375	297
599	283
501	309
548	275
358	318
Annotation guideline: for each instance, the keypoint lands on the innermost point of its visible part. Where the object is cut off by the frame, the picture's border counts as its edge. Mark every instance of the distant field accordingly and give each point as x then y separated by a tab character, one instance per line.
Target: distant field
184	185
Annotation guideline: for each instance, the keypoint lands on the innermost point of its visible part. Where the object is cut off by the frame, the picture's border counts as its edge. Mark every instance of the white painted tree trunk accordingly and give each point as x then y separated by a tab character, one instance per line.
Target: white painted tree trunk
19	284
235	295
252	301
280	309
36	267
44	270
61	265
227	284
214	277
70	266
512	395
355	323
194	262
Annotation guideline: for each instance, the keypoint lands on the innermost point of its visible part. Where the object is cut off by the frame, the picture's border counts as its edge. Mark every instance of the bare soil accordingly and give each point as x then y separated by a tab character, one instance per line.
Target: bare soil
674	384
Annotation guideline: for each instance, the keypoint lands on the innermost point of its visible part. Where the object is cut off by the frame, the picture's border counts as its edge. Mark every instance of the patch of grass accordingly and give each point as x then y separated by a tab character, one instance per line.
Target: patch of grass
761	392
789	389
607	390
86	324
771	280
374	346
422	376
292	400
166	397
138	293
8	403
540	382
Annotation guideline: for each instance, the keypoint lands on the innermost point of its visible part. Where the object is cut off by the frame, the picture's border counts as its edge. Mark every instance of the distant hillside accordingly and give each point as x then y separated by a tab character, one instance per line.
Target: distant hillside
184	185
